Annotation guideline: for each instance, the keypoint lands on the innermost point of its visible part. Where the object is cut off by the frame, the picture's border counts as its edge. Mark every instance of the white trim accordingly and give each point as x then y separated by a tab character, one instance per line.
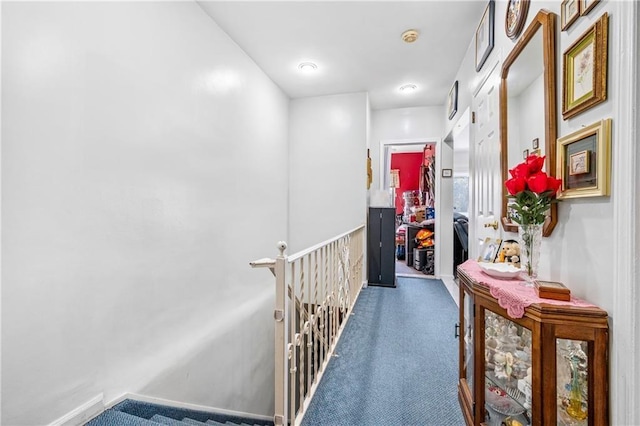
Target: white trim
452	288
482	80
416	275
462	123
187	406
1	239
83	413
311	249
384	144
439	208
624	336
384	153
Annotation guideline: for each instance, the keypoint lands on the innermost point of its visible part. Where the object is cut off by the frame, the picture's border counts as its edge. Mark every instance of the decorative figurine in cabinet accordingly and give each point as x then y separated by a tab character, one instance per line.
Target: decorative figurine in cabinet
547	366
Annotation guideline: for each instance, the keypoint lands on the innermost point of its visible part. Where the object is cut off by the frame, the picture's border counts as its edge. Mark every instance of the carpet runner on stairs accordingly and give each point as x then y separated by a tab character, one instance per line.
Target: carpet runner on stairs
136	413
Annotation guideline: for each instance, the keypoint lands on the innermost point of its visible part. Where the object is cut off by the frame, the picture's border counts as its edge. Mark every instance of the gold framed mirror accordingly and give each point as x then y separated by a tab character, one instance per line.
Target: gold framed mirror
528	106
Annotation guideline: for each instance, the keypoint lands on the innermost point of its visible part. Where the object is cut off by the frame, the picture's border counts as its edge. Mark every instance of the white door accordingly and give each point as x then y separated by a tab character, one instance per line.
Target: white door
485	164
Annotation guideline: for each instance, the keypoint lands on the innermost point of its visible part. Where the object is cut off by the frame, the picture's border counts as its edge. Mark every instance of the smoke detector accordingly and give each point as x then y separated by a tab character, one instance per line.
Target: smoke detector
410	36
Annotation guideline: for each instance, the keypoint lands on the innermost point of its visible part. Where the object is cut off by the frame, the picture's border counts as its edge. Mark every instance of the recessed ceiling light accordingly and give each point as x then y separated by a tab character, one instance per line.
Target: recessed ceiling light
410	36
307	66
408	88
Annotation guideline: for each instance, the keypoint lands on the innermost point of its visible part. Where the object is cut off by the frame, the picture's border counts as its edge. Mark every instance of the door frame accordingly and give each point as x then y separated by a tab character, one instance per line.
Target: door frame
625	332
385	155
385	170
444	198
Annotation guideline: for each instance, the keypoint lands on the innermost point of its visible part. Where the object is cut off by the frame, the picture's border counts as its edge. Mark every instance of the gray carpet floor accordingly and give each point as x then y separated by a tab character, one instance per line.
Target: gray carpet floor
397	363
403	270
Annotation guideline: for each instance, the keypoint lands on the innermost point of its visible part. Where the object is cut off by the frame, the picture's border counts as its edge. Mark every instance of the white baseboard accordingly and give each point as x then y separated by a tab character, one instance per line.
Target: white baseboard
195	407
83	413
452	287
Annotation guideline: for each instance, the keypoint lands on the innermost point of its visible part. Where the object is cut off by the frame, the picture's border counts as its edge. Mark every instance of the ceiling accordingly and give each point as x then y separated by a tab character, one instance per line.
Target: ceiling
356	45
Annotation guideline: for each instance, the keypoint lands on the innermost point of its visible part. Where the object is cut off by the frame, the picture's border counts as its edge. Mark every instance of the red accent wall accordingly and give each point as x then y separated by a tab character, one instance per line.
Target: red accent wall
409	165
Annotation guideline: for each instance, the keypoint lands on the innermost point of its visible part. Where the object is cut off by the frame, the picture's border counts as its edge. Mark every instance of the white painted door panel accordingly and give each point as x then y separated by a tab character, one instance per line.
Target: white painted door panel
486	161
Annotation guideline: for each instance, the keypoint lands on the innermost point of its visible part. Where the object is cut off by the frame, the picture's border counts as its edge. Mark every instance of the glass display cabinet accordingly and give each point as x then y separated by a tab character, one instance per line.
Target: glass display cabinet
548	367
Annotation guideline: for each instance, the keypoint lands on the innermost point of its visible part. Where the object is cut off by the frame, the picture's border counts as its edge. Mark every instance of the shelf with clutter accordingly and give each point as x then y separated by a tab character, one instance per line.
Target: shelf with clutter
415	209
413	184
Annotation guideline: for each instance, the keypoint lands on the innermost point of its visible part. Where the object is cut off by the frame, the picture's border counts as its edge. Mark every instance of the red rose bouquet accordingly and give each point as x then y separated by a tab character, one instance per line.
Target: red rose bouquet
532	190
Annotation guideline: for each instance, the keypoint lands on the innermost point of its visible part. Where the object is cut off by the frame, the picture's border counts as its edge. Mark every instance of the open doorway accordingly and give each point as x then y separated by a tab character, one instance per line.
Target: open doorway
461	191
409	176
455	201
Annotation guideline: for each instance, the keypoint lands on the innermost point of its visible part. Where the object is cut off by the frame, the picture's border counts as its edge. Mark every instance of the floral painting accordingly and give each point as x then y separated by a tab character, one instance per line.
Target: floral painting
584	63
583	72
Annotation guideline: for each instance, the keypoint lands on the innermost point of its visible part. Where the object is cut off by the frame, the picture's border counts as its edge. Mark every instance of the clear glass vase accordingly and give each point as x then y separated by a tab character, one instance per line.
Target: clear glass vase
530	239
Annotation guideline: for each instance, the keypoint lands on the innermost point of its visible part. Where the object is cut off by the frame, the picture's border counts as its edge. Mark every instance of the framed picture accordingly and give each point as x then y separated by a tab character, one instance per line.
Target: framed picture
484	35
584	161
535	144
569	12
511	212
489	250
587	5
447	173
452	101
579	163
515	17
584	70
525	154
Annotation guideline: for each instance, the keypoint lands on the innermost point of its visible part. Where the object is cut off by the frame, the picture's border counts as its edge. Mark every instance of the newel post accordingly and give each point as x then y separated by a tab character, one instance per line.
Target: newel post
281	321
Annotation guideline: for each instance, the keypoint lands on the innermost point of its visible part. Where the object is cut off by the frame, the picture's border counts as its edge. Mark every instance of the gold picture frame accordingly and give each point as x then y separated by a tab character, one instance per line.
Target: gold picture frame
489	250
584	70
587	5
569	13
590	174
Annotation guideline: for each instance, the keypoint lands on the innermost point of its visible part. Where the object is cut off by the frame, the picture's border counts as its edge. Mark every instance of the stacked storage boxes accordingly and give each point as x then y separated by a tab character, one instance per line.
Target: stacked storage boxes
423	260
424	253
411	200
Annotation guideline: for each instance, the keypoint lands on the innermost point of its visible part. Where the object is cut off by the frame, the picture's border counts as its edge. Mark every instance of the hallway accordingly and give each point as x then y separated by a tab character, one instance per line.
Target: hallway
397	361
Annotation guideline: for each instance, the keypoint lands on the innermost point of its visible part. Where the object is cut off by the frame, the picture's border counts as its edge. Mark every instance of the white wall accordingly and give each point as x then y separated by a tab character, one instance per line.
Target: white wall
401	124
573	240
328	179
574	253
580	252
144	165
524	126
419	124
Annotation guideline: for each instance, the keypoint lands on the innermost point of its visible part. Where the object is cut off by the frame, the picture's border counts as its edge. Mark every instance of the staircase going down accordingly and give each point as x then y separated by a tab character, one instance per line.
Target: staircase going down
137	413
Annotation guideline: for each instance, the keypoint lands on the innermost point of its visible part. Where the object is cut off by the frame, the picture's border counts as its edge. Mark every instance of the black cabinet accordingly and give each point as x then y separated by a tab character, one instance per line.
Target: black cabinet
381	242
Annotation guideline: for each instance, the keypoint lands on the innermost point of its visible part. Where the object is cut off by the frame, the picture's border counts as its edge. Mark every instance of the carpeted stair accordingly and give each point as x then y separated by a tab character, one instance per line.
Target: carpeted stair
136	413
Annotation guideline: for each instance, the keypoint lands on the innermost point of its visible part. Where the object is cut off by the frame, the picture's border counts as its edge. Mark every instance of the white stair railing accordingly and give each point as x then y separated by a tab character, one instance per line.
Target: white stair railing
315	291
